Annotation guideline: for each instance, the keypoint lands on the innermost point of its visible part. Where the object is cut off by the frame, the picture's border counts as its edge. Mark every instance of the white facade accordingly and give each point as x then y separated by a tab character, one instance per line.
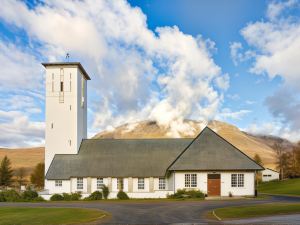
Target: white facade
152	189
66	111
268	175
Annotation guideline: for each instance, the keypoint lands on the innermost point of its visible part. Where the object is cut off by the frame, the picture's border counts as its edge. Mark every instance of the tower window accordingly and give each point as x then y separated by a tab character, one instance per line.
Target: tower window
51	125
70	107
61	86
70	142
52	83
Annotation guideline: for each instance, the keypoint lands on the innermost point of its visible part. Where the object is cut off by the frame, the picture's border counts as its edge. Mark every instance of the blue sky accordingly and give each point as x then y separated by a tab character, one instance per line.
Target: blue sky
234	61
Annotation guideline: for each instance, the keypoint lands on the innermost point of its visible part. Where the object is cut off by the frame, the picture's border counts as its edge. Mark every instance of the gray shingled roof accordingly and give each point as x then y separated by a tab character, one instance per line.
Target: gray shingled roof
209	151
118	158
149	157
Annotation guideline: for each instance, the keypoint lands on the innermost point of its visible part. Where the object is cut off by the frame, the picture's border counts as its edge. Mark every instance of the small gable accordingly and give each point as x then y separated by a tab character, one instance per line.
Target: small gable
209	151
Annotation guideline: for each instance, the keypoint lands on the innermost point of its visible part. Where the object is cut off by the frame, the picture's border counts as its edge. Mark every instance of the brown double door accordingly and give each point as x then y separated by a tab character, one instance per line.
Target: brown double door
213	184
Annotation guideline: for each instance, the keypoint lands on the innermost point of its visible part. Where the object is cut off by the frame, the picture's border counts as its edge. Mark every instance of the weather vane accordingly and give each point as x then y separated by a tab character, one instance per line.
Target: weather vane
67	57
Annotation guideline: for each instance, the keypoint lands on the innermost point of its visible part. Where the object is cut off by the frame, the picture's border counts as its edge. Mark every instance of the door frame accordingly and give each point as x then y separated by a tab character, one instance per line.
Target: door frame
214	176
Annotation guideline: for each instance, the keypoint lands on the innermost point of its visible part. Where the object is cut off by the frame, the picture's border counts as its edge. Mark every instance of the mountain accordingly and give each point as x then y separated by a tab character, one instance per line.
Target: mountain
250	144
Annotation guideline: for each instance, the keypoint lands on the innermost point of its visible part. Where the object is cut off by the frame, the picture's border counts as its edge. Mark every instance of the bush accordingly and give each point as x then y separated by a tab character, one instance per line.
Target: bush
96	195
183	193
105	191
56	197
29	195
122	195
71	197
2	197
39	199
11	196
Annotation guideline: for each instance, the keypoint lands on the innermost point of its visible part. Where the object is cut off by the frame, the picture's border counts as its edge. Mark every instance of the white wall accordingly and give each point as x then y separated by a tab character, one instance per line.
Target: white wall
65	188
248	188
68	118
268	175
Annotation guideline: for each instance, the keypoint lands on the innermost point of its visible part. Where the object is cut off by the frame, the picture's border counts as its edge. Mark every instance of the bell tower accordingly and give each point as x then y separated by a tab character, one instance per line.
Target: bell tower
66	109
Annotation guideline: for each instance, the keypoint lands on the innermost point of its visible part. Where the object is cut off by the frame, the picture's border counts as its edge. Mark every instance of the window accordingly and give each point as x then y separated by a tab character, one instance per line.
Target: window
70	142
51	125
100	183
61	86
58	183
233	180
237	180
52	83
240	180
141	183
162	184
79	183
190	180
70	83
120	184
82	91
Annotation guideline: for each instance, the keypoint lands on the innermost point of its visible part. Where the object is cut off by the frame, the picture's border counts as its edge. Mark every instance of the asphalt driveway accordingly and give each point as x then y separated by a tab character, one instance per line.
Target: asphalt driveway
160	212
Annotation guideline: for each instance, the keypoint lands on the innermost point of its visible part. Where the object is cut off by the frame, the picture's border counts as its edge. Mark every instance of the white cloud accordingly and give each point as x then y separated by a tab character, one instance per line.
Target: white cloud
227	113
275	8
17	130
164	75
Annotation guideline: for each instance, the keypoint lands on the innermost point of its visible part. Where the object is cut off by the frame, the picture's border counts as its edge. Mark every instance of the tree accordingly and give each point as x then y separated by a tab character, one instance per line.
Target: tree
38	176
20	176
6	172
257	159
281	158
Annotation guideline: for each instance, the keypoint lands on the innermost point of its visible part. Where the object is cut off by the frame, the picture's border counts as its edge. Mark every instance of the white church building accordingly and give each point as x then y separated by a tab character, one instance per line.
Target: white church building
143	168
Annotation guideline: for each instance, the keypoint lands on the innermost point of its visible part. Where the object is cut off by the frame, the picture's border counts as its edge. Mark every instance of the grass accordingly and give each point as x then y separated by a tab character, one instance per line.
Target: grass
239	212
284	187
35	216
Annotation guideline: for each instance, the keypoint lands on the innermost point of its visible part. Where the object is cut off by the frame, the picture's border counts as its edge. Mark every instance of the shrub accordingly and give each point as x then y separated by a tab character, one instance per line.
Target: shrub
29	195
105	191
11	196
230	194
2	197
183	193
71	197
122	195
39	199
56	197
96	195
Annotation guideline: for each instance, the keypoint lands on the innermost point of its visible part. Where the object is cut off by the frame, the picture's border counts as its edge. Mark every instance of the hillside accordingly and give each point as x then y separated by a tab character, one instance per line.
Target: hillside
248	143
24	157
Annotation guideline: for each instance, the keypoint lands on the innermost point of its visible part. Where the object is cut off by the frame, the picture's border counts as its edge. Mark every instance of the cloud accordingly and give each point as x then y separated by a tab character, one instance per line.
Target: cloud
17	130
237	55
137	73
227	113
275	8
285	105
275	43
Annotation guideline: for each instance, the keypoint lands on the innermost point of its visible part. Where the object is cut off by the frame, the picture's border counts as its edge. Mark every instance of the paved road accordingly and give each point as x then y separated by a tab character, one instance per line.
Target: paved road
164	212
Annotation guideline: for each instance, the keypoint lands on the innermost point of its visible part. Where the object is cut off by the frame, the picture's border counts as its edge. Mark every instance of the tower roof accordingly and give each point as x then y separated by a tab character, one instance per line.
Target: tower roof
78	64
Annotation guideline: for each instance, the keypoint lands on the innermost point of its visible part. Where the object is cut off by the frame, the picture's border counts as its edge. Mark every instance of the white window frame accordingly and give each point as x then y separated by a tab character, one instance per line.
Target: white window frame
58	183
190	180
120	184
79	183
141	183
100	183
237	180
162	184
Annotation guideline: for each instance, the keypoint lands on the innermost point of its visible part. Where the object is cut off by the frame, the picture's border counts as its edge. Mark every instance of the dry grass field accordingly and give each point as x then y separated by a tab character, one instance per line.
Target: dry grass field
24	157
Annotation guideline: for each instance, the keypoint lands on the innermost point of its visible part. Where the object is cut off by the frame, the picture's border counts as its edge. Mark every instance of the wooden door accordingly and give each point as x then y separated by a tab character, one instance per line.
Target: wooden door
213	184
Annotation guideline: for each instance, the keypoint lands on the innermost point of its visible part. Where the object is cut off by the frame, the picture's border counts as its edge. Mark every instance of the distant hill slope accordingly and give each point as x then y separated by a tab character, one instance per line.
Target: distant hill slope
248	143
24	157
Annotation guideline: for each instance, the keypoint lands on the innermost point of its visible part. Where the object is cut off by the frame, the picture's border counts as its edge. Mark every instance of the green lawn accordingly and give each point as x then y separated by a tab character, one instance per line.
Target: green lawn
285	187
33	216
238	212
